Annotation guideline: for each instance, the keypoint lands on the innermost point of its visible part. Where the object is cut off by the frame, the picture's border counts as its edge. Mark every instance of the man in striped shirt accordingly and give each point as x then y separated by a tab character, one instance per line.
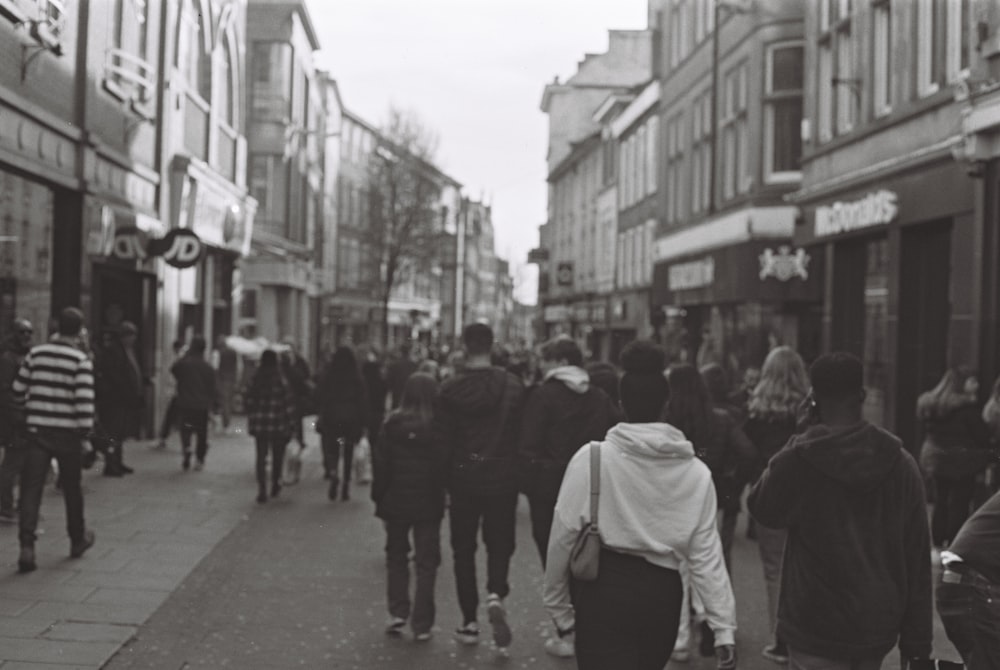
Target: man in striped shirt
56	385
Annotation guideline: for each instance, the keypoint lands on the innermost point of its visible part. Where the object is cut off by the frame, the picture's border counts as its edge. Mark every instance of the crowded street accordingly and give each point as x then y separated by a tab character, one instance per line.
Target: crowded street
189	572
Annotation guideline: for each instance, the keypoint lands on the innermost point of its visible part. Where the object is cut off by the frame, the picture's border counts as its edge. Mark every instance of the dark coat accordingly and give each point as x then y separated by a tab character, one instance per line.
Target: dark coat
195	382
270	406
857	573
556	422
730	456
342	407
11	412
377	390
121	383
768	434
477	417
397	374
956	444
408	471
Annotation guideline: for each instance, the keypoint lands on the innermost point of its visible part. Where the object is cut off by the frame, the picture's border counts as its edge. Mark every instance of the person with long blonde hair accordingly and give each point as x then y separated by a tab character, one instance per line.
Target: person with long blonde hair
773	414
955	448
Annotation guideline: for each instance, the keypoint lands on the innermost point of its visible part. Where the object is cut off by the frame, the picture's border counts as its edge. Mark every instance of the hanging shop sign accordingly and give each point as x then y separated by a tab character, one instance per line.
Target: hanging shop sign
784	265
694	274
180	247
564	274
875	209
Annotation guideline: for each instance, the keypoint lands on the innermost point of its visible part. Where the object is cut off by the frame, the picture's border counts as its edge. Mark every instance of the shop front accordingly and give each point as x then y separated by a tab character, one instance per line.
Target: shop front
731	305
901	282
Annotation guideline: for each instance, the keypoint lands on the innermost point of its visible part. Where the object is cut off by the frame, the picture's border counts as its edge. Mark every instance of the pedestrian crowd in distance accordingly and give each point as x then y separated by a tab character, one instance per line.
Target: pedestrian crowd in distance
657	459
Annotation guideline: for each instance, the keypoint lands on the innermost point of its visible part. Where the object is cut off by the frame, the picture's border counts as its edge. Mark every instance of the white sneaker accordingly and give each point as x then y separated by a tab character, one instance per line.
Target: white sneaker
468	634
560	647
395	626
681	656
502	635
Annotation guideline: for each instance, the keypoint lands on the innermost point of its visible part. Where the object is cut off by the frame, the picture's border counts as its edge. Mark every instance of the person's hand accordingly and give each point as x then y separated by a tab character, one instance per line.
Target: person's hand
725	657
87	446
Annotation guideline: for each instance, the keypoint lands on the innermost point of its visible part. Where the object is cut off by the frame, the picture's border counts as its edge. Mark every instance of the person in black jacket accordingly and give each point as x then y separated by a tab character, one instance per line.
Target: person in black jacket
342	401
774	414
195	397
561	415
476	421
408	491
12	426
955	449
120	395
856	577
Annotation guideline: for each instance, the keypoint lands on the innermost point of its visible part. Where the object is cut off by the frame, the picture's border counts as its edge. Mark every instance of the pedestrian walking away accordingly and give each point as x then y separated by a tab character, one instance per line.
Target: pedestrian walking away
856	576
170	415
968	590
271	415
195	396
656	509
773	408
342	404
56	385
398	372
12	426
408	489
476	421
955	449
120	395
226	363
371	372
299	376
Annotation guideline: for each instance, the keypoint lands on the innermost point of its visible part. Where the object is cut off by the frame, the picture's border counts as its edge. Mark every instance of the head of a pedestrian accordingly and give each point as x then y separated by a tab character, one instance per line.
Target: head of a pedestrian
477	339
419	393
70	322
957	388
643	388
689	407
559	352
606	377
716	381
197	346
268	369
430	367
838	388
783	385
23	334
343	365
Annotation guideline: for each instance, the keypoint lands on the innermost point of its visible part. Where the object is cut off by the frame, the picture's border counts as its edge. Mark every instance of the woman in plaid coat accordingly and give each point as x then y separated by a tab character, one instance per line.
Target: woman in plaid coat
270	405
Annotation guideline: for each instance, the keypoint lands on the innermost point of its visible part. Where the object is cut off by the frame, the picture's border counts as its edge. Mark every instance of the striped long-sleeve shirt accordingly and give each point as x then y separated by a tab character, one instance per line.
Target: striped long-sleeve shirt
56	384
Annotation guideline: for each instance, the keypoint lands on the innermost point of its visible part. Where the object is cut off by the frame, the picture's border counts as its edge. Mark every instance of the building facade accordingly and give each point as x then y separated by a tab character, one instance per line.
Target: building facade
728	283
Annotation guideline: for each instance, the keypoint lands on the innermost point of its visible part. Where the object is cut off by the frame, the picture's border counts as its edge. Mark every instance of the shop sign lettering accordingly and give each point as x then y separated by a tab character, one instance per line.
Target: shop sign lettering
180	248
875	209
696	274
784	265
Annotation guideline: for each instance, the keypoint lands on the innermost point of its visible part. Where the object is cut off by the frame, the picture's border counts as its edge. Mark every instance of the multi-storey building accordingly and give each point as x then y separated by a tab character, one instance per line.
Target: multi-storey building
727	281
905	230
574	266
285	164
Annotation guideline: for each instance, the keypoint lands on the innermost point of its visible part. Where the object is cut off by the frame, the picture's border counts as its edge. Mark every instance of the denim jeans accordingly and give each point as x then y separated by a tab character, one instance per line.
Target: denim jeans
970	612
426	559
498	515
194	421
627	618
275	445
771	545
44	445
798	660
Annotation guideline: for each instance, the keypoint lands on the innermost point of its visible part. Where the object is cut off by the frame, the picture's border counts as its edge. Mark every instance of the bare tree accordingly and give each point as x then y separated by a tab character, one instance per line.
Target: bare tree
404	194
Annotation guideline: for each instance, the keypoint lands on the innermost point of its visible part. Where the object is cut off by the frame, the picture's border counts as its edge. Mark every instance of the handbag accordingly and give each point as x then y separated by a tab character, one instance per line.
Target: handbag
363	461
585	557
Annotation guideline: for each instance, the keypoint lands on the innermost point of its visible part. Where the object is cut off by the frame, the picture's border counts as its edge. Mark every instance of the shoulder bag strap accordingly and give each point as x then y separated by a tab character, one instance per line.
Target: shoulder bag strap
595	481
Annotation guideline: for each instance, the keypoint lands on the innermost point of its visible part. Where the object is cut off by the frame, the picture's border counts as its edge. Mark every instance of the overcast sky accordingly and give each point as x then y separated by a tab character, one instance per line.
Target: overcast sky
474	71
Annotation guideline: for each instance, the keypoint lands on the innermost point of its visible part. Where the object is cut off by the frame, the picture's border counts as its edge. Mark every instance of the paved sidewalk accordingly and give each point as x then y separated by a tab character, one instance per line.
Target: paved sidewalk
153	528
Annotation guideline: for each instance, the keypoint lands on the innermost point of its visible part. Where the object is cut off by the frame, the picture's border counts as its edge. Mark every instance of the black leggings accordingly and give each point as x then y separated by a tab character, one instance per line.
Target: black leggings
275	445
628	618
336	445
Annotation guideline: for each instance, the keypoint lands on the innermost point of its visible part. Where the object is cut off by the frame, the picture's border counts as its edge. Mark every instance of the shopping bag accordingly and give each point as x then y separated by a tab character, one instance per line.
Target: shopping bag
293	465
363	461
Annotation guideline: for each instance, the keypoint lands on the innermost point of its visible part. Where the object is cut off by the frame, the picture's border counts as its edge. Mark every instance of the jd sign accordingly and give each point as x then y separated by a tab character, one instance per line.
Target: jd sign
180	248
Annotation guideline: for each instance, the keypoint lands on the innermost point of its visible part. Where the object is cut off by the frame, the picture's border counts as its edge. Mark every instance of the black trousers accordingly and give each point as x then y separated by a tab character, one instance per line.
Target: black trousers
543	492
336	444
627	618
951	508
275	446
194	422
426	559
497	512
42	446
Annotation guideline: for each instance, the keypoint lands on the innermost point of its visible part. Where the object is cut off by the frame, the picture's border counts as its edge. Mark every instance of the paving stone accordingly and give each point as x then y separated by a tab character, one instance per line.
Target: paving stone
23	627
14	606
55	652
154	580
22	665
66	593
128	596
90	632
133	613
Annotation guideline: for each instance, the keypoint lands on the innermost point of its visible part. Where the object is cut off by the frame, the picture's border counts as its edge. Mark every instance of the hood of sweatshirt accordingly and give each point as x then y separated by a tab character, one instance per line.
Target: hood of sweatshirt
651	440
575	378
475	391
859	456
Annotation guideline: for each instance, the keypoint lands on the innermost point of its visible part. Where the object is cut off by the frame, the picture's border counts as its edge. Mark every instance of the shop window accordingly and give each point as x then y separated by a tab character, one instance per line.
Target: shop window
26	211
783	112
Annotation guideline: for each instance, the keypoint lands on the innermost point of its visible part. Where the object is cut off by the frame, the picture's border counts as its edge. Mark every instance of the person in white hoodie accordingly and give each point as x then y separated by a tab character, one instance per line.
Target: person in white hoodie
657	509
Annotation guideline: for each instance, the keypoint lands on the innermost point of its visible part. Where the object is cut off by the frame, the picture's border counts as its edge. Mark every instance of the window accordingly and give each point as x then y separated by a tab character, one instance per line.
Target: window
783	112
271	95
735	161
652	137
622	168
640	163
824	91
675	159
679	31
128	73
930	45
839	88
958	39
701	152
882	57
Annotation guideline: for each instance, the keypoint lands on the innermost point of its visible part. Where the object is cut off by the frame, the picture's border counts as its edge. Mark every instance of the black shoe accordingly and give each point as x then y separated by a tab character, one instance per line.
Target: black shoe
275	490
262	497
126	469
707	644
334	486
186	464
345	494
78	548
26	561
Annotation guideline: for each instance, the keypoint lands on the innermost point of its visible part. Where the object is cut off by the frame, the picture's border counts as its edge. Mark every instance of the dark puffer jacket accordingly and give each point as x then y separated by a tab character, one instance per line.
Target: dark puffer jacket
476	421
768	434
956	443
408	474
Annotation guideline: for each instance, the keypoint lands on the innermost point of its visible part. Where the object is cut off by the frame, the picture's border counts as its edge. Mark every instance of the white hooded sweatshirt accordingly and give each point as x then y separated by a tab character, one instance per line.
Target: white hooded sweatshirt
657	501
